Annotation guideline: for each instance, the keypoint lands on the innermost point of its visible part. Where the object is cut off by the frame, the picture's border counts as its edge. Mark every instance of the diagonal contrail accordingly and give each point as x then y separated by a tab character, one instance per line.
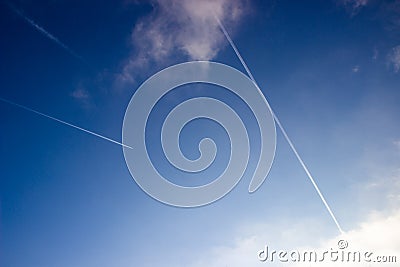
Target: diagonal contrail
63	122
44	32
281	127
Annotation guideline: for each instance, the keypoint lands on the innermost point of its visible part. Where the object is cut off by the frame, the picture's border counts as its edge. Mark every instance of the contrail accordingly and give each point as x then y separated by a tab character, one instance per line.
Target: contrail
45	33
63	122
280	127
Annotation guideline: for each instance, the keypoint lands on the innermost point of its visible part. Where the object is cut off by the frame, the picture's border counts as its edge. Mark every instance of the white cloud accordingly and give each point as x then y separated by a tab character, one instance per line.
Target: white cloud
177	27
356	69
394	58
379	235
378	232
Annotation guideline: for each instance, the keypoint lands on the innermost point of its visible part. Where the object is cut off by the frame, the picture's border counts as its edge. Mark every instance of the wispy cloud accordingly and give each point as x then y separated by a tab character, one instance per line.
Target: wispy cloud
45	32
80	94
186	28
356	69
353	6
394	58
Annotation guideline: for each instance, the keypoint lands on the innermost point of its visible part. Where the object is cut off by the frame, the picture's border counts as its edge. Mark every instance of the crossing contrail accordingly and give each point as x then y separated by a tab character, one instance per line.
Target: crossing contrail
281	127
45	33
63	122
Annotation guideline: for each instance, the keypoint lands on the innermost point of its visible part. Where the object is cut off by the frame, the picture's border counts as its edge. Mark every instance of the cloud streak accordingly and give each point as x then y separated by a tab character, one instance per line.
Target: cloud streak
180	28
62	122
45	33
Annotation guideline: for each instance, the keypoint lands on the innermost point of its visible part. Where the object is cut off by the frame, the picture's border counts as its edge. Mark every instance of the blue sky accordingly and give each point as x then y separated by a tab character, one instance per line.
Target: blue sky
329	69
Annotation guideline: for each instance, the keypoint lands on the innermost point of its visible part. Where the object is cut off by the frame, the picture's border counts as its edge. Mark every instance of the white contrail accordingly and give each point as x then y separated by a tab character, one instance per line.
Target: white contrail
63	122
280	126
46	33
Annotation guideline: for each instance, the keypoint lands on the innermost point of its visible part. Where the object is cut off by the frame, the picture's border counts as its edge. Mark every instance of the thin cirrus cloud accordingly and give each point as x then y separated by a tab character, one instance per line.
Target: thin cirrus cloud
180	28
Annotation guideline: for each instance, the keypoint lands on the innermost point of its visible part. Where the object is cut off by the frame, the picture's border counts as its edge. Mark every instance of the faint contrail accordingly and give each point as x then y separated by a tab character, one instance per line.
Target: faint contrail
281	127
63	122
45	33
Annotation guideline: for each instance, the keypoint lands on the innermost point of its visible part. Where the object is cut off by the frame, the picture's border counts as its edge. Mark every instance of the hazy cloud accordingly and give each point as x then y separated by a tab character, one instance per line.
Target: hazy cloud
378	233
80	94
397	144
394	58
356	69
390	13
353	6
176	27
